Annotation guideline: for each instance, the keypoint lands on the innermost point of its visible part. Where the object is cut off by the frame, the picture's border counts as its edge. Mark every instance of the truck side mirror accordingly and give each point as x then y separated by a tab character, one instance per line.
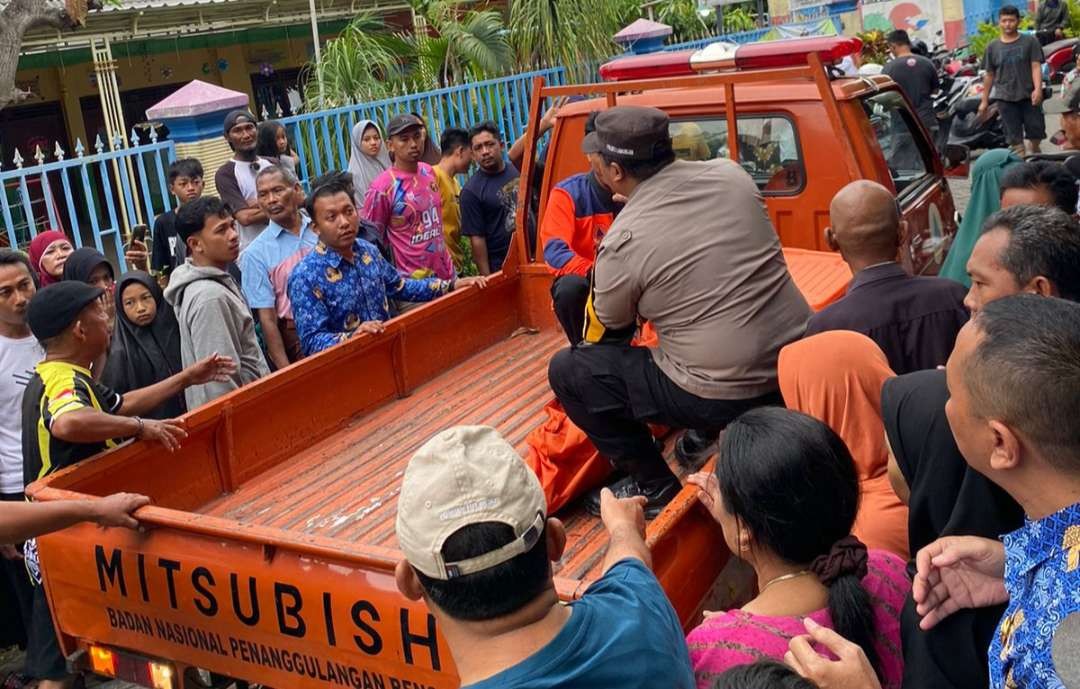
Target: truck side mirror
957	157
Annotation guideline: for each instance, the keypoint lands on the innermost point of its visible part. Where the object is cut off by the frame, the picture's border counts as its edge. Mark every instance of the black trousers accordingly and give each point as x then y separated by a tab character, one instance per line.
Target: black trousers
569	294
611	391
18	592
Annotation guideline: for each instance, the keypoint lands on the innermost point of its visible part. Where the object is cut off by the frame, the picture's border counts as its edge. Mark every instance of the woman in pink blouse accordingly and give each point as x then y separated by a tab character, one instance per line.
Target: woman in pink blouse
785	493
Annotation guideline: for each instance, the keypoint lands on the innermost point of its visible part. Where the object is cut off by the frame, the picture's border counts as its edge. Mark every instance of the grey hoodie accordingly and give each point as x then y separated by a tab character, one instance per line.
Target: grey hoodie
214	317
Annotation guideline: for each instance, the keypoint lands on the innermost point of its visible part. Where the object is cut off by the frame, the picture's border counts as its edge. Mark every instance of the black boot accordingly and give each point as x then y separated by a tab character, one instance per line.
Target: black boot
657	492
694	447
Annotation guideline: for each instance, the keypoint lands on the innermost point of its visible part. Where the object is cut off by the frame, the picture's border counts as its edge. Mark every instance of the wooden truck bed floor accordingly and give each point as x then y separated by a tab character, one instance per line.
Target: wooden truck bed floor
345	486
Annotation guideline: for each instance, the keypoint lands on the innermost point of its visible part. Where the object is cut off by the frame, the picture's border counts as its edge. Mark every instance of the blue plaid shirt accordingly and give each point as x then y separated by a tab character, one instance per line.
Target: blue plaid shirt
332	296
1042	576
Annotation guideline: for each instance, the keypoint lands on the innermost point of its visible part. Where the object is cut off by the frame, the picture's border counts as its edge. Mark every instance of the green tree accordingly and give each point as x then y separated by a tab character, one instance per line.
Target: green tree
572	33
448	45
451	44
361	64
686	22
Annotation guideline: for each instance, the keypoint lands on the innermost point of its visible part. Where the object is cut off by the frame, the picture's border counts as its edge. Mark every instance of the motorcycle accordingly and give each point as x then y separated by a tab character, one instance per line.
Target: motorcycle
969	129
1060	57
953	90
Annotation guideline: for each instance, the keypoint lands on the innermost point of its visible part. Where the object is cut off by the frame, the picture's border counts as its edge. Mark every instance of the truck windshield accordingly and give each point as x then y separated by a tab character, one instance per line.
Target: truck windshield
768	148
899	138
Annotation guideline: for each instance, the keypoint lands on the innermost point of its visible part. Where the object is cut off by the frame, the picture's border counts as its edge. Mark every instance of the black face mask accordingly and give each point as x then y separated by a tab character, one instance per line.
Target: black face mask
604	193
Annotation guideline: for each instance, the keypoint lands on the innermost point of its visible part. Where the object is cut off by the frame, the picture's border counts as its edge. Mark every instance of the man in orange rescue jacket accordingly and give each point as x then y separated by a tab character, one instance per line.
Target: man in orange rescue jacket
579	212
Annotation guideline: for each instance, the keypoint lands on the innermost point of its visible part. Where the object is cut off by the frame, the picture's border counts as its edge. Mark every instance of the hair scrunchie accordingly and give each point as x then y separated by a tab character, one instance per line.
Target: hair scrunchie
846	557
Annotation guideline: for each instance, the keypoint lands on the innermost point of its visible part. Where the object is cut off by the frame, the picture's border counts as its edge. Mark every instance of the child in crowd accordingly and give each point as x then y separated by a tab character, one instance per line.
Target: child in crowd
145	345
404	205
273	142
456	160
369	158
186	184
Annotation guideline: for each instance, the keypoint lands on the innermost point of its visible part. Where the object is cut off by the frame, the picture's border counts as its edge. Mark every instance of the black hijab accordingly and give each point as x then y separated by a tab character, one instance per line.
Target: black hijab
948	498
143	355
82	262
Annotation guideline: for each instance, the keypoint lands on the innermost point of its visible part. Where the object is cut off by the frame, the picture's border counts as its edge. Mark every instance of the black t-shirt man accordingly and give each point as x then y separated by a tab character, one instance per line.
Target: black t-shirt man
488	207
918	78
168	249
1011	64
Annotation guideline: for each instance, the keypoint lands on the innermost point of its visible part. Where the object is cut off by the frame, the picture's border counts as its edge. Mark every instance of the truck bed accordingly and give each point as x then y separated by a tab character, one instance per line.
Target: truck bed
268	551
345	487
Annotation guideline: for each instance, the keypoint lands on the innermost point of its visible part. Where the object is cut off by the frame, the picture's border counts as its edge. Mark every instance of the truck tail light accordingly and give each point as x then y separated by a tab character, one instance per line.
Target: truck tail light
103	661
130	667
791	52
161	676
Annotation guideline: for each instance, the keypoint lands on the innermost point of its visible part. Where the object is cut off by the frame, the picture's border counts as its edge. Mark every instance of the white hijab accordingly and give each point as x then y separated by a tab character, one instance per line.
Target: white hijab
365	168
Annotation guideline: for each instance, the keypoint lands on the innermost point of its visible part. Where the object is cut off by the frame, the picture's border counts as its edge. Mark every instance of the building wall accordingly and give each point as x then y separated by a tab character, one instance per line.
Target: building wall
230	66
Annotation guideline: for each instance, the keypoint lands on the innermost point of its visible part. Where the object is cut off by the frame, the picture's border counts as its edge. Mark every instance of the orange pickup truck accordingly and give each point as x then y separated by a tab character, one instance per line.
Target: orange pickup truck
801	131
268	551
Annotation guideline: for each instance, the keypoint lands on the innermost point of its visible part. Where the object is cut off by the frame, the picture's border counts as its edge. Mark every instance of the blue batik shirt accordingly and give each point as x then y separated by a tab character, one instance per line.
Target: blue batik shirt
331	296
1042	576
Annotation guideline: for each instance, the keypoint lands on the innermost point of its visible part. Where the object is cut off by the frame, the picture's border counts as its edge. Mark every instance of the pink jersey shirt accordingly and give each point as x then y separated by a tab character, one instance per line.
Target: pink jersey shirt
406	209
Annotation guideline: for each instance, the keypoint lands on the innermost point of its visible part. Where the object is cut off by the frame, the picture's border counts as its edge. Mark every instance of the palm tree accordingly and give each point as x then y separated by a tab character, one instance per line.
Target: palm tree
574	33
451	44
359	65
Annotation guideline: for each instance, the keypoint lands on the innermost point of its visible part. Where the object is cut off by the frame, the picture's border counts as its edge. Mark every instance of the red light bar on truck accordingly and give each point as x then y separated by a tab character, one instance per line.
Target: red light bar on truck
725	56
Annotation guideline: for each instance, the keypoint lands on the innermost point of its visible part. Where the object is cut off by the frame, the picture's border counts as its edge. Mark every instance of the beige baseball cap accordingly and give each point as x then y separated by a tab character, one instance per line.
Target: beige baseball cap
466	475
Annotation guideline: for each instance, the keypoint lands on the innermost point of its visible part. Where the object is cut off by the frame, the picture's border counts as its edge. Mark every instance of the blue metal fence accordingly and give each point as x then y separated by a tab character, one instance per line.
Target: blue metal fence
322	138
92	198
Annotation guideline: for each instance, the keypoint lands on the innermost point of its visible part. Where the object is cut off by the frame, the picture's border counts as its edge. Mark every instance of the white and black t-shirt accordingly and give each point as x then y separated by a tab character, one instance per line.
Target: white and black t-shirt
17	361
235	182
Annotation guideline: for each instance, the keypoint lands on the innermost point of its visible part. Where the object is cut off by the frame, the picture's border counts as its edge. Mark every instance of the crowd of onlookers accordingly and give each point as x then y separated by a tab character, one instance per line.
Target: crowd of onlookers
227	289
928	423
900	470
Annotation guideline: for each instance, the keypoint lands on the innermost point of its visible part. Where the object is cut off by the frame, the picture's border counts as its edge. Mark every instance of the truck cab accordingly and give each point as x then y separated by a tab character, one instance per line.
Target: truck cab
798	128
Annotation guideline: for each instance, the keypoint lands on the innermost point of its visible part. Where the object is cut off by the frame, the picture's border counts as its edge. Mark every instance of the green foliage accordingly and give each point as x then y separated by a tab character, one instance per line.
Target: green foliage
684	19
1073	29
737	19
572	33
359	65
875	48
450	45
468	265
453	45
981	38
